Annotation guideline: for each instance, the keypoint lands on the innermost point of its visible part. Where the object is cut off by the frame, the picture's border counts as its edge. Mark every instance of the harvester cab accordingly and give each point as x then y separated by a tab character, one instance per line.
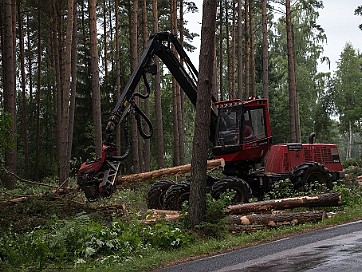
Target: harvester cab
243	134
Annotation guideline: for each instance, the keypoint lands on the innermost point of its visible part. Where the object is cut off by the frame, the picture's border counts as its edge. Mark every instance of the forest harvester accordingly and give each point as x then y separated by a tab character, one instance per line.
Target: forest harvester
240	134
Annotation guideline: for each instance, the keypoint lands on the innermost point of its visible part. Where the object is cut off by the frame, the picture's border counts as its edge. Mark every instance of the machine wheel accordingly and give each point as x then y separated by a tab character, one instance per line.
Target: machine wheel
239	186
156	194
309	172
176	196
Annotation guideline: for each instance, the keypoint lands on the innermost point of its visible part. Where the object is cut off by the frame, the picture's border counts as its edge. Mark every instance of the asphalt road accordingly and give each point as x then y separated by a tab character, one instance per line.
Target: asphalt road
333	249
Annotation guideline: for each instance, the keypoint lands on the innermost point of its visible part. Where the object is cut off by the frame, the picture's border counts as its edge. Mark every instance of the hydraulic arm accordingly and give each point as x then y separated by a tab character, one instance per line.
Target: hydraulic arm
97	179
159	45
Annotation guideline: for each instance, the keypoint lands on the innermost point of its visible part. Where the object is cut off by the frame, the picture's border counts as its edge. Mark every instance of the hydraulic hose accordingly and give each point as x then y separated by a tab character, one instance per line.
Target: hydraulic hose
140	114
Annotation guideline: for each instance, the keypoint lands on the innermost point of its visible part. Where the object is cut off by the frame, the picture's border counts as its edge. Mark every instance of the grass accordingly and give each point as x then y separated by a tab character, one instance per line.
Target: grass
203	247
51	233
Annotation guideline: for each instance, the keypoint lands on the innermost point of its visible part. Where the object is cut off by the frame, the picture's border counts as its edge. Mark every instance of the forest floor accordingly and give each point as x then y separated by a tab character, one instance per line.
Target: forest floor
65	231
23	213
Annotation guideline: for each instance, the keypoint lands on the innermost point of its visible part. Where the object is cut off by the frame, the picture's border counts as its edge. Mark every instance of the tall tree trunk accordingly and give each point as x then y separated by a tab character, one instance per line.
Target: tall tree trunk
291	75
24	121
147	142
181	93
265	51
96	92
134	60
10	89
73	86
233	51
118	67
111	45
221	53
30	62
38	95
175	95
158	104
239	93
197	209
227	35
247	49
105	44
64	94
252	49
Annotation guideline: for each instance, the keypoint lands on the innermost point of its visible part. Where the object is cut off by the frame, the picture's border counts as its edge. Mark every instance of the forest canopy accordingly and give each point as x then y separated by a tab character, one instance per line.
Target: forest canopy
56	63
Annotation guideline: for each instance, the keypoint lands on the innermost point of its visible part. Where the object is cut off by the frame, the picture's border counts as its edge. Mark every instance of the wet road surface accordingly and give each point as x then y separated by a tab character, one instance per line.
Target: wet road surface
334	249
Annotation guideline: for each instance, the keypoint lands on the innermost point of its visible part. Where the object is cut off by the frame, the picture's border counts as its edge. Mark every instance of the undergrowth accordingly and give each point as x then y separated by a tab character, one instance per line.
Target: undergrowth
71	237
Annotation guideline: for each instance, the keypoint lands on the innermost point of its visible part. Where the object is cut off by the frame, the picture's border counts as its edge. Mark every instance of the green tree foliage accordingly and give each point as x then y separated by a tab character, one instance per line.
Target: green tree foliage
309	38
317	91
347	92
358	11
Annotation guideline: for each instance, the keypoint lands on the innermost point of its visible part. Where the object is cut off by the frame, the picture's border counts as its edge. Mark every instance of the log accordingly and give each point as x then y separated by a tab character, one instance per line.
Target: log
322	200
278	219
177	170
157	215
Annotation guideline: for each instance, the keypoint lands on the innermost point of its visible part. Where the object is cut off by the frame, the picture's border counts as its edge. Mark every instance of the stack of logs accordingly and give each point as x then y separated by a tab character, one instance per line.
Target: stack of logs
267	214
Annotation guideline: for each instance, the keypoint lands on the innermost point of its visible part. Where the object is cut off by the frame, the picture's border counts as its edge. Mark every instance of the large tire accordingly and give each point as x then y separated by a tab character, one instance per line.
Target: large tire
156	194
309	172
176	196
239	186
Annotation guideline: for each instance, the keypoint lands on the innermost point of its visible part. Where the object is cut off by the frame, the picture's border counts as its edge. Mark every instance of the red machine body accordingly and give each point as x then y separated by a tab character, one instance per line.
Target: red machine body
234	116
283	158
240	133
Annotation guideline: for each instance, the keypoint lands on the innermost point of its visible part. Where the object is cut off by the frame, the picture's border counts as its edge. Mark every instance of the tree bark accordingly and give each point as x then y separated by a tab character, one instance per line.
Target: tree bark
10	89
38	95
265	51
63	76
278	219
105	44
96	93
177	115
134	60
323	200
24	121
291	76
73	86
180	93
239	92
233	52
221	53
147	142
157	174
197	209
252	49
247	49
228	61
158	104
118	68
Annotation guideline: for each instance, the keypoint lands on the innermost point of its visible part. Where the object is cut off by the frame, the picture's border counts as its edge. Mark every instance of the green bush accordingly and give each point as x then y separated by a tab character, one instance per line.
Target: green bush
351	194
281	189
80	240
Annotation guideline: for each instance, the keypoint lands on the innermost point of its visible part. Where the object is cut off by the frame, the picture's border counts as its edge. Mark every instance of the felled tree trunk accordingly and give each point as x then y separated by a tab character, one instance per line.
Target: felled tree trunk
323	200
177	170
278	219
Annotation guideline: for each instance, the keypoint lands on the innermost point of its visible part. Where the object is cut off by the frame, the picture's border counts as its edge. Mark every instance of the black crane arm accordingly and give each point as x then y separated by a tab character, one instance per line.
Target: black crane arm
158	45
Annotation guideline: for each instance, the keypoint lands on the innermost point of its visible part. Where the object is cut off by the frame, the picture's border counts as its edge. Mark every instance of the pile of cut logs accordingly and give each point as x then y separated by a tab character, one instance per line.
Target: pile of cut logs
266	214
